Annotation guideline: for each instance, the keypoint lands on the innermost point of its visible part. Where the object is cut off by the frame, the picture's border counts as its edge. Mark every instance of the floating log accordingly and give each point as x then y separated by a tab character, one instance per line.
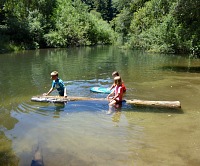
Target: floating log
61	99
136	102
167	104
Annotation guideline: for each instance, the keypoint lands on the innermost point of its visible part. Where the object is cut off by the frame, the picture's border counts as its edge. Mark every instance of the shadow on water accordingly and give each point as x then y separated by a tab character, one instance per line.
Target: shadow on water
37	157
182	69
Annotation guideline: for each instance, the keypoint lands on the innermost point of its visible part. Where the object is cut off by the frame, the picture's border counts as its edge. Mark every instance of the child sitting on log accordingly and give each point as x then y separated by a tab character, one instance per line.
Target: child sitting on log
115	74
117	93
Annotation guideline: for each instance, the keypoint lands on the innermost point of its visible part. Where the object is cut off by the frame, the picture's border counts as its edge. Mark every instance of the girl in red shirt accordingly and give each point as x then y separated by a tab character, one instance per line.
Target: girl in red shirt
117	93
115	74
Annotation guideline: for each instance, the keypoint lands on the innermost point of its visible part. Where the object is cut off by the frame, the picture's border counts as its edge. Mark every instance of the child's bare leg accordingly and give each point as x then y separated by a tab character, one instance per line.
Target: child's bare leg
112	103
111	106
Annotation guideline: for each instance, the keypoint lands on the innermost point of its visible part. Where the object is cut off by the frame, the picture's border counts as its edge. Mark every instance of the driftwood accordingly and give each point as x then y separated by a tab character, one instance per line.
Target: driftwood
167	104
60	99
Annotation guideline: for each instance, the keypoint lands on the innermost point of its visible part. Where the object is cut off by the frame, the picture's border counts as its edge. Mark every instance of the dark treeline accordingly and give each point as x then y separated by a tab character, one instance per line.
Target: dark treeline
167	26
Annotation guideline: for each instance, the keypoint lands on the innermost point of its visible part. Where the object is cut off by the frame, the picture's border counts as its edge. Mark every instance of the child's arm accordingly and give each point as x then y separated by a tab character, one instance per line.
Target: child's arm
113	85
65	92
116	96
111	94
46	94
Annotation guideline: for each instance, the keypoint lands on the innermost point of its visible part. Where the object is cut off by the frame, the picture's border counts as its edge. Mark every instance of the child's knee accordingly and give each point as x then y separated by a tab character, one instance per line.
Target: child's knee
112	103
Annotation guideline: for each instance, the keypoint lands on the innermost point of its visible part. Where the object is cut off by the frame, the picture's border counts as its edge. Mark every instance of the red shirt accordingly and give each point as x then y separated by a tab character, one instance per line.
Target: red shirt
119	91
123	87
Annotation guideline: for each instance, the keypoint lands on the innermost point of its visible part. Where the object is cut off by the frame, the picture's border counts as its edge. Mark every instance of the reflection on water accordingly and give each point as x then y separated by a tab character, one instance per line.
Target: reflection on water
182	69
7	156
82	132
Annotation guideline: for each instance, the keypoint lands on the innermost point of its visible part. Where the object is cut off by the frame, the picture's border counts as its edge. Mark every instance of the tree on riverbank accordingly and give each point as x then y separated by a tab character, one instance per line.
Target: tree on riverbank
168	26
74	25
37	23
25	22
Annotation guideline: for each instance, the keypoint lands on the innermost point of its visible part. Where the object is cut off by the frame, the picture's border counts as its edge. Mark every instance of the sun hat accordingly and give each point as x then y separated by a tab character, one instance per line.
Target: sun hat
54	73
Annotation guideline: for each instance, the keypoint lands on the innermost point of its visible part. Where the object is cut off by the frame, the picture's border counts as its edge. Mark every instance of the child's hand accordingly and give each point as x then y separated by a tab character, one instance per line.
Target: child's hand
109	99
45	94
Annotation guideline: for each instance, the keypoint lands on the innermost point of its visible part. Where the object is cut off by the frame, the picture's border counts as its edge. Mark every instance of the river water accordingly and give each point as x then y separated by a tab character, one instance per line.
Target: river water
81	132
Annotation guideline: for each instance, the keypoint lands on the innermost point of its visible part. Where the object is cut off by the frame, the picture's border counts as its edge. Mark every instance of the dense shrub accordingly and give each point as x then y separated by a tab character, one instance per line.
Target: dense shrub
75	26
170	26
162	26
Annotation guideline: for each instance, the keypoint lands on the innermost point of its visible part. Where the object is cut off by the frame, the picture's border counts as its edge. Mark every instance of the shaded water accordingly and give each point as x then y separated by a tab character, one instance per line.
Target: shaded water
81	133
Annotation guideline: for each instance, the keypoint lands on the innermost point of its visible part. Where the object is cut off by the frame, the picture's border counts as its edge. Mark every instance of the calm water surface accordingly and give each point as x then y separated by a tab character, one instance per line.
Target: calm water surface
81	132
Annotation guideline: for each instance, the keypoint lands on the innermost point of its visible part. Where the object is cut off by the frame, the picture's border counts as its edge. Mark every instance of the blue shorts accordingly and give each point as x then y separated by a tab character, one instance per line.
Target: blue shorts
61	93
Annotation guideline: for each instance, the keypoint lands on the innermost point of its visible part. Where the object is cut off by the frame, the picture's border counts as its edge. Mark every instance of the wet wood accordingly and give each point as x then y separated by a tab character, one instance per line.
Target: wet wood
136	102
167	104
60	99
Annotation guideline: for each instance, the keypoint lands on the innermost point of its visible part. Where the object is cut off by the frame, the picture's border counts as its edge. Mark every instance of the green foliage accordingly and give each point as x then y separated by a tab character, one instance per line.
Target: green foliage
188	16
170	26
70	25
161	26
104	7
36	25
61	23
75	26
121	23
26	22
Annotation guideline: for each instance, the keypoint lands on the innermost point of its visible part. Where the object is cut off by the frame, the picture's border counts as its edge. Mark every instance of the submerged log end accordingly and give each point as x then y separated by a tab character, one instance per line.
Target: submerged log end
164	104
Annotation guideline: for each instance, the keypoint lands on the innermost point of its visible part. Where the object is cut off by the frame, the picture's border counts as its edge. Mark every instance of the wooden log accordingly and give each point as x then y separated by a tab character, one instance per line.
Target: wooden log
136	102
61	99
51	99
167	104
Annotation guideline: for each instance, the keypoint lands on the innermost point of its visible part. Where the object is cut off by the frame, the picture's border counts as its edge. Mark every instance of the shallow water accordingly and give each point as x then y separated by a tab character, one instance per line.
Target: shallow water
81	132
